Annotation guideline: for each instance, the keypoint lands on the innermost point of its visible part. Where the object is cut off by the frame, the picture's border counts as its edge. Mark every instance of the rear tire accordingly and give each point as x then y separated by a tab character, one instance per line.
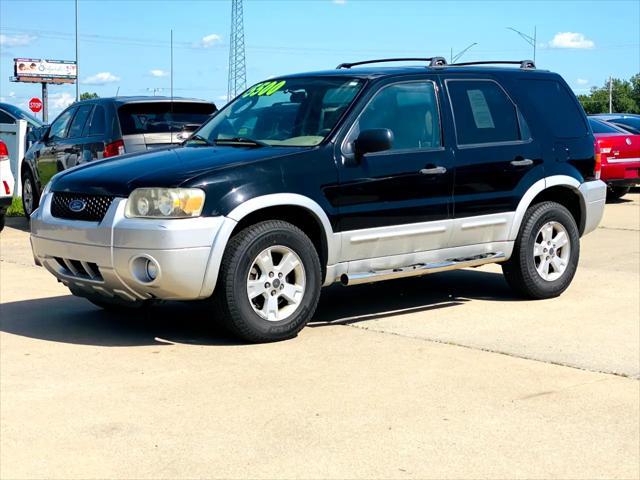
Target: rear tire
546	252
616	193
30	194
269	282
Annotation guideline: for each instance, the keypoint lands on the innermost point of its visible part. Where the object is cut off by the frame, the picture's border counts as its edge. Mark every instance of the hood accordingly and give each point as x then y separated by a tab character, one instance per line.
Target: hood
169	167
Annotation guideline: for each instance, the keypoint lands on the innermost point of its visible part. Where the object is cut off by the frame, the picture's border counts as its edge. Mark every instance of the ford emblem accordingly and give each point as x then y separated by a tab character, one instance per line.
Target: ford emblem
77	205
628	141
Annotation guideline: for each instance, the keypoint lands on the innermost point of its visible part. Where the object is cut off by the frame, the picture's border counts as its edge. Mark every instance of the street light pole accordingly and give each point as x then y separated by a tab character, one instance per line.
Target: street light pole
461	53
528	38
77	70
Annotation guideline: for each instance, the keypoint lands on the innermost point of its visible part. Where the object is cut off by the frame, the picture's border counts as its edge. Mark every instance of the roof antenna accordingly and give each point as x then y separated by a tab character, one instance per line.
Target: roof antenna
117	91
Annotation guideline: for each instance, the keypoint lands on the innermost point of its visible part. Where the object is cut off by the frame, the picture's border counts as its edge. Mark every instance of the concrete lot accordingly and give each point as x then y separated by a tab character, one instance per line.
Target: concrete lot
446	376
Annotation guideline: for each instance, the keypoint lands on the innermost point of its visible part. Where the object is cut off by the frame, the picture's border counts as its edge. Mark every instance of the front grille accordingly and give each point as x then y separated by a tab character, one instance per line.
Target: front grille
77	268
94	210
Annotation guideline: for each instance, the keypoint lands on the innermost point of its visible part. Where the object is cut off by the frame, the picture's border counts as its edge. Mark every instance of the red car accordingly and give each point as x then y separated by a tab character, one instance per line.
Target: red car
620	156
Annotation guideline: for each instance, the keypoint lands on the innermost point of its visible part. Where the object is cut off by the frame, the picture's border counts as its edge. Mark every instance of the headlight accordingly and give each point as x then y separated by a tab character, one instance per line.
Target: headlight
165	203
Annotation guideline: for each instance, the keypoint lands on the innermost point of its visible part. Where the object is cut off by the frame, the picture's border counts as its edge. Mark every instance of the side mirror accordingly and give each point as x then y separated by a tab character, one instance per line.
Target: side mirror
373	140
37	134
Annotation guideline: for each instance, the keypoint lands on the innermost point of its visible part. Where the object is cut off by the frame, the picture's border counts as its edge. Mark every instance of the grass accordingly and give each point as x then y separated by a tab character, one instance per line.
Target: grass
15	210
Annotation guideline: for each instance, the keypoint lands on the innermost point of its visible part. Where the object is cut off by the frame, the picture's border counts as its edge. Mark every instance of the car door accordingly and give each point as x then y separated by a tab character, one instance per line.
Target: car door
51	157
78	150
396	201
496	159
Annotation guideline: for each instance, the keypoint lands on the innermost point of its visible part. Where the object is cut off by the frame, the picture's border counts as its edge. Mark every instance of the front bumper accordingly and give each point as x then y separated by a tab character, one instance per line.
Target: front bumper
594	196
108	258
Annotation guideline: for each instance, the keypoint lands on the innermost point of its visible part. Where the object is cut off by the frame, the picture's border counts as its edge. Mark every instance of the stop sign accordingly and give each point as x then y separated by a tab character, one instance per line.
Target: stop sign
35	105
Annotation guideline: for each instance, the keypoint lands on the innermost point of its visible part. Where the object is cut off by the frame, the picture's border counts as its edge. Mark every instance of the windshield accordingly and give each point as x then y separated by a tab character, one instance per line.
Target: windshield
631	124
291	112
600	127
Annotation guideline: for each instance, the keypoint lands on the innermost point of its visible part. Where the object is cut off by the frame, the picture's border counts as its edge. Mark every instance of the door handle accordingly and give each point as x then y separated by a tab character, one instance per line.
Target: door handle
433	171
525	162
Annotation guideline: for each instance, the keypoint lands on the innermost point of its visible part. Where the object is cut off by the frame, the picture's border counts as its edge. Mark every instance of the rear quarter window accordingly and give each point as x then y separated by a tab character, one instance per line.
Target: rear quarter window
162	117
556	106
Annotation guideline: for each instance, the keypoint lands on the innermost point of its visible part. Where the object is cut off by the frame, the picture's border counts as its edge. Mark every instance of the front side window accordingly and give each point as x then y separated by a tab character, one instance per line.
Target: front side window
483	113
79	121
292	112
59	126
409	110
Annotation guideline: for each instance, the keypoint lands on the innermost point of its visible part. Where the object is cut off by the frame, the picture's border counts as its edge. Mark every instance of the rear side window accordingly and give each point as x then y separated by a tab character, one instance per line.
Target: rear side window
162	117
98	122
483	112
557	107
79	121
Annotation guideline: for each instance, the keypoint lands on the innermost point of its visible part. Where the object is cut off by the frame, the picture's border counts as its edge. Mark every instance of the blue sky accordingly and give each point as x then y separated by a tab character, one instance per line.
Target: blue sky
125	44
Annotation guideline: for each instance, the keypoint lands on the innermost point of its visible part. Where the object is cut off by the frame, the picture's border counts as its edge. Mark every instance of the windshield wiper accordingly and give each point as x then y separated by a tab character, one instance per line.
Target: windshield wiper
199	138
242	141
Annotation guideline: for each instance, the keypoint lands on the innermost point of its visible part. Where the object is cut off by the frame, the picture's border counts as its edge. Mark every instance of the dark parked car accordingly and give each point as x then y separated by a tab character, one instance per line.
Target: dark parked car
10	113
107	127
351	175
627	121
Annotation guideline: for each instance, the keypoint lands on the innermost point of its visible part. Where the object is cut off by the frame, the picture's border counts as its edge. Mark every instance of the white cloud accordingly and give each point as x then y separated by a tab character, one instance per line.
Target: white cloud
16	40
571	40
209	41
12	94
101	78
582	81
58	101
156	72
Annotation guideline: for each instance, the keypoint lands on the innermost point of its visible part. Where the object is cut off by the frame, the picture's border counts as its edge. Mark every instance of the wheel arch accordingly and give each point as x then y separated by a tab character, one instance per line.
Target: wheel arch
296	209
562	189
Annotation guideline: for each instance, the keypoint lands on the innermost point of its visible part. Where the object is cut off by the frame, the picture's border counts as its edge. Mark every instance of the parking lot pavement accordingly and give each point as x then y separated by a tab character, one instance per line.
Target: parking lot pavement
446	376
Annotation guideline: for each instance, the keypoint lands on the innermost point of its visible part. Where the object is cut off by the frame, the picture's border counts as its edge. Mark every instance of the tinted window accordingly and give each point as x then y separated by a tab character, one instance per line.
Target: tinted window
630	124
4	118
59	126
483	112
162	117
557	107
98	121
20	114
601	127
79	121
409	110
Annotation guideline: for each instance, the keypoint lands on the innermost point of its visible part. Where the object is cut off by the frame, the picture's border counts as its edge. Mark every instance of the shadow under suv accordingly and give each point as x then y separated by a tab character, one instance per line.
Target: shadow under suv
106	127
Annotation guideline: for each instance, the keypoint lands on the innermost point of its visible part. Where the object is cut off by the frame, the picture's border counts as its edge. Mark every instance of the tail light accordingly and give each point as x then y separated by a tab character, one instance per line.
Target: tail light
7	188
114	148
598	156
4	153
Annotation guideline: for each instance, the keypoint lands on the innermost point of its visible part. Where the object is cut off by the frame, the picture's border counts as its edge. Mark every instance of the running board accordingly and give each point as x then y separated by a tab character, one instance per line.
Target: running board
420	269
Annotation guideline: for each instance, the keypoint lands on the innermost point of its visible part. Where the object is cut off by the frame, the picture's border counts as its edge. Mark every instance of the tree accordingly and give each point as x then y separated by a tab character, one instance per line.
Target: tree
88	96
625	96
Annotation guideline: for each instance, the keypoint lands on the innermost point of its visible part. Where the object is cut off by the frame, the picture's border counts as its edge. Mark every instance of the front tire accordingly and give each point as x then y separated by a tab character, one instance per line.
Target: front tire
30	194
269	282
546	252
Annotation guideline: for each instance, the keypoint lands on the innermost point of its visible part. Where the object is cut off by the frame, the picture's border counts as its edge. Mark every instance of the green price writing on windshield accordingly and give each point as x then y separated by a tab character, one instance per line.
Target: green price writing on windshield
264	89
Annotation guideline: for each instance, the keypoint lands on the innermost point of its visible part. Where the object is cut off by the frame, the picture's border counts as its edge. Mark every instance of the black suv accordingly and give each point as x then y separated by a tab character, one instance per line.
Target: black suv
106	127
351	175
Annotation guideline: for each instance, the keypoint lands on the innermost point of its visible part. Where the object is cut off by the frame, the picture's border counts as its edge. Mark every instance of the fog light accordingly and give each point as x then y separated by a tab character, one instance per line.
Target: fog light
152	270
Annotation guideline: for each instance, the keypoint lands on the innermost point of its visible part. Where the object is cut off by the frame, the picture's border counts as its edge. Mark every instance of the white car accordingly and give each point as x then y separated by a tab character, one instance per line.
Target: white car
6	182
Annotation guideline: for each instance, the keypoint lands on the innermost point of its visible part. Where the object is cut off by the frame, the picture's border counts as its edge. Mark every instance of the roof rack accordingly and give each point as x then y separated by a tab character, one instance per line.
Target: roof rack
433	61
524	64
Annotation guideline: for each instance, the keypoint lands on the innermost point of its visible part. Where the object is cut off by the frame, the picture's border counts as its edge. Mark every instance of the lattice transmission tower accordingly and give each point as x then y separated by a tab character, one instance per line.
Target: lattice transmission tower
237	62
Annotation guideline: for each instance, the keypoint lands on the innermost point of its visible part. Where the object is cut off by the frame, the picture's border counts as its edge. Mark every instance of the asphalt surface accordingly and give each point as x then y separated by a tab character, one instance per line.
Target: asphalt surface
444	376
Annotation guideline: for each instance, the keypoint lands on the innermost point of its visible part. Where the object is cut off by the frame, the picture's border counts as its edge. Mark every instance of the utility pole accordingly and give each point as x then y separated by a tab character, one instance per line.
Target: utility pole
237	61
610	95
528	38
45	103
77	70
457	57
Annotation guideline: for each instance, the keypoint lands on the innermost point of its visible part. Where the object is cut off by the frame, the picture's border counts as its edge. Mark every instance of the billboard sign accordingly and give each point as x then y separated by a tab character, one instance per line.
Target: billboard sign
38	70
